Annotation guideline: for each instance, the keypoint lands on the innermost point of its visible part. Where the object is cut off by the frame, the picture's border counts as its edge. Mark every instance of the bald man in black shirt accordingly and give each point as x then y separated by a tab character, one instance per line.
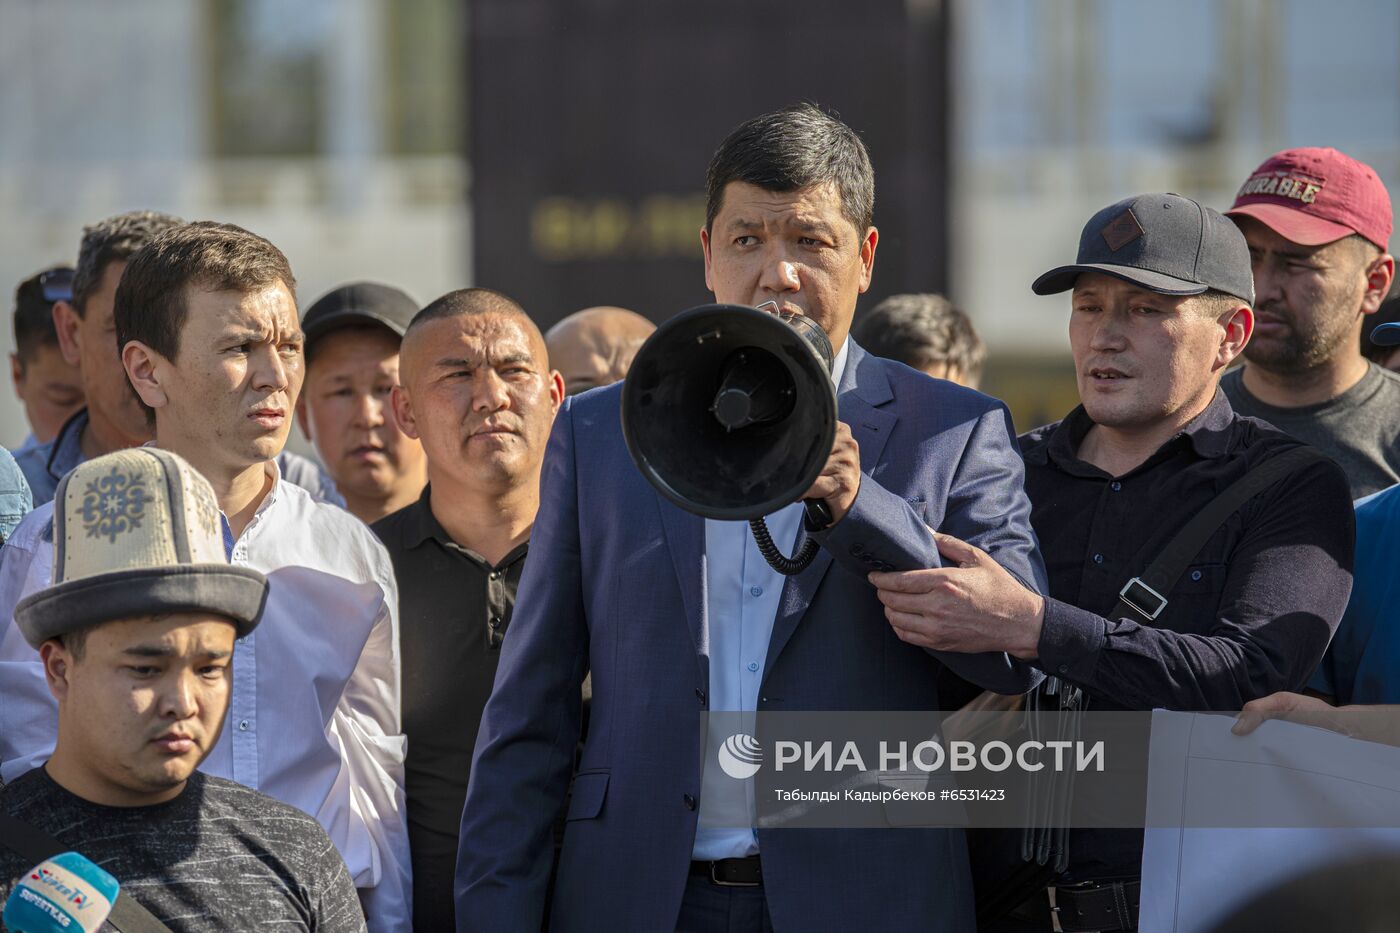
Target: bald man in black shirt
477	390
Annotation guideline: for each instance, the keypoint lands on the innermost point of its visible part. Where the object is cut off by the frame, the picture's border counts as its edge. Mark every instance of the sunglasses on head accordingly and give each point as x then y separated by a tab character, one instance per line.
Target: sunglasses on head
57	285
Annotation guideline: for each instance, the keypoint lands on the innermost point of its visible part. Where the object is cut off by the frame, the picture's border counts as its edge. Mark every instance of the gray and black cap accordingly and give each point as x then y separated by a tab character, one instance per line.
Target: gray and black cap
358	303
1164	243
138	533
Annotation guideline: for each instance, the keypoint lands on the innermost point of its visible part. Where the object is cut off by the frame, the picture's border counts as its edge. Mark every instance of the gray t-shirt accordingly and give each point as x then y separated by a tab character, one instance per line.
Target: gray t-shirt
1360	429
218	857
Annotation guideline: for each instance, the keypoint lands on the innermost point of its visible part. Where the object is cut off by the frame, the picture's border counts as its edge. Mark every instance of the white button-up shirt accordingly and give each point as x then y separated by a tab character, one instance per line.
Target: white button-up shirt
742	595
314	710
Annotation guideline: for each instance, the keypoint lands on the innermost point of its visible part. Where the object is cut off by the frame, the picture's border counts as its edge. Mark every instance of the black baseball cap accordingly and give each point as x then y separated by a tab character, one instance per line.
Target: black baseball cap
1163	242
358	303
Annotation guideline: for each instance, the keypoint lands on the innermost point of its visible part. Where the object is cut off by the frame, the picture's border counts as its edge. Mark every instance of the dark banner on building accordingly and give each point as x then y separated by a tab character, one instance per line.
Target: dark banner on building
592	122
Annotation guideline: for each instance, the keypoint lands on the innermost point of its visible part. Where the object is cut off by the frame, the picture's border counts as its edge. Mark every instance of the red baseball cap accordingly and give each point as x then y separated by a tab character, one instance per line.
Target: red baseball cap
1314	196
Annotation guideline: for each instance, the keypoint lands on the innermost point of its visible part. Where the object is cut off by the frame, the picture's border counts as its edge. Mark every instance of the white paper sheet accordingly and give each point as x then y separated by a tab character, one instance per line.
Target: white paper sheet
1203	775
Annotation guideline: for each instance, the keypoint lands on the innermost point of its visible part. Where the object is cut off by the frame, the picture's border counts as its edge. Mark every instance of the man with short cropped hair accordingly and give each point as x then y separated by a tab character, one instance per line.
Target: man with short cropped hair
111	418
595	347
352	366
1318	224
48	386
207	322
478	393
137	636
925	332
676	615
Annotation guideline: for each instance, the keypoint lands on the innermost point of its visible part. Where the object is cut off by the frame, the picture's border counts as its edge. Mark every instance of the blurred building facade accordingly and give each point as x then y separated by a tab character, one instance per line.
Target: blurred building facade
332	127
337	128
1065	106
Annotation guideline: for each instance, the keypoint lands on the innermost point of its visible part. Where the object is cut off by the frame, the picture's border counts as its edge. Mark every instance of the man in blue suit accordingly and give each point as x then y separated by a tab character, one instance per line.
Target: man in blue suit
675	615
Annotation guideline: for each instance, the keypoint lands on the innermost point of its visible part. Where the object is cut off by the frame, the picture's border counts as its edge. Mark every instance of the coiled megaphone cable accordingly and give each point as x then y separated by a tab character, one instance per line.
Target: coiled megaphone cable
818	516
787	566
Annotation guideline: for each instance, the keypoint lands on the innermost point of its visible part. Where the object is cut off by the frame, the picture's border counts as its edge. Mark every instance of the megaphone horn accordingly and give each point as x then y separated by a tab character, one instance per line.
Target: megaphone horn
730	413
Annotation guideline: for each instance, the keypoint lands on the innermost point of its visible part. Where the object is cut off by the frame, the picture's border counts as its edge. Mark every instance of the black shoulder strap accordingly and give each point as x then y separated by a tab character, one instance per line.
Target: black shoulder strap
1144	597
34	845
1045	846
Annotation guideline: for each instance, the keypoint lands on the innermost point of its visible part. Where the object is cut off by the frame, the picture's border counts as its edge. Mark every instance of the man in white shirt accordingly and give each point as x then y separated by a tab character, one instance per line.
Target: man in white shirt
208	328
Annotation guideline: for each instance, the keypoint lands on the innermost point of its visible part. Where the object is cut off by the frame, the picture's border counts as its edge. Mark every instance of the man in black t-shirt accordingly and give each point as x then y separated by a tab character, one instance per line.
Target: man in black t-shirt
217	856
476	388
136	636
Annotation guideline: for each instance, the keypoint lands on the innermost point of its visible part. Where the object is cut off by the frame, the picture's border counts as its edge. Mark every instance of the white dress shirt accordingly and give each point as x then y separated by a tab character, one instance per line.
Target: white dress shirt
742	596
313	714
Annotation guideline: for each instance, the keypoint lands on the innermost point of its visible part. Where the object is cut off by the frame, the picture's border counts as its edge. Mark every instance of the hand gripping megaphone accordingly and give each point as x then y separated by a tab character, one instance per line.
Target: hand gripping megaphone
730	413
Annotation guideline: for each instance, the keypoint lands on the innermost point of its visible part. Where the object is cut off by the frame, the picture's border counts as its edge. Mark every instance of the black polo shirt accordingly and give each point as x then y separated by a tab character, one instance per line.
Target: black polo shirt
1253	613
454	609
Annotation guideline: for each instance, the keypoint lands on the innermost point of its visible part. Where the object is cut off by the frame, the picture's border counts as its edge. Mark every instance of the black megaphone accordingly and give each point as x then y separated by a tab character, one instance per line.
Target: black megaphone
730	413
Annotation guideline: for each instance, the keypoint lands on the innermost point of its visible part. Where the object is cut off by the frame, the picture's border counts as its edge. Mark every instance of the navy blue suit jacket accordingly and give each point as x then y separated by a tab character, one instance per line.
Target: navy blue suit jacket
614	584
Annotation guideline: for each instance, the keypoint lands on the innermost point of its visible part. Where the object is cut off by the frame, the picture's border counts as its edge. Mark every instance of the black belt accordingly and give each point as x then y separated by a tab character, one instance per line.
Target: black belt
732	872
1095	907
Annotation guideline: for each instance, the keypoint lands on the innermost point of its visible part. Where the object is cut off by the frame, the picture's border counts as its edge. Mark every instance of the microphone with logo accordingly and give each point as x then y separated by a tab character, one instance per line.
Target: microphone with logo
65	893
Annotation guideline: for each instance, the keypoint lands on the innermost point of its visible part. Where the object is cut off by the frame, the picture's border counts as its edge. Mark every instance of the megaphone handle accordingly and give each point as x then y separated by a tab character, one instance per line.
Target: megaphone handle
818	515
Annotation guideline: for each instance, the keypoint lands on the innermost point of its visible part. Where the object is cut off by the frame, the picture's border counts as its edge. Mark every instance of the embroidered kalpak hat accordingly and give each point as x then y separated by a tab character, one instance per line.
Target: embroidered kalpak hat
137	533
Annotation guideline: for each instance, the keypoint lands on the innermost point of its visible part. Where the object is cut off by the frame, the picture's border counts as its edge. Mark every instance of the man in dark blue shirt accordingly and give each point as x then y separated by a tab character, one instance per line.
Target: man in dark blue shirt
1161	307
112	418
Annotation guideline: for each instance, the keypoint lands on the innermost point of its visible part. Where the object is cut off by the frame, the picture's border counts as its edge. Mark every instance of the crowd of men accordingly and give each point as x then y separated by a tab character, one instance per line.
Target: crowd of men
452	676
